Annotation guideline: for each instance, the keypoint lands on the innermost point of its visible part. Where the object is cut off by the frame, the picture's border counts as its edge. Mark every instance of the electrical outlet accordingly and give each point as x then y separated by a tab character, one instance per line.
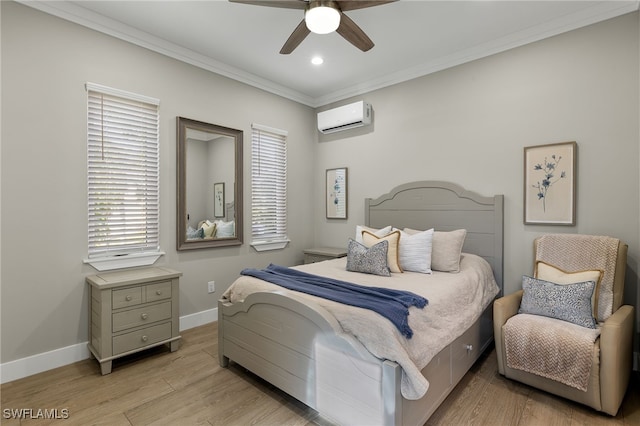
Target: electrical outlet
211	286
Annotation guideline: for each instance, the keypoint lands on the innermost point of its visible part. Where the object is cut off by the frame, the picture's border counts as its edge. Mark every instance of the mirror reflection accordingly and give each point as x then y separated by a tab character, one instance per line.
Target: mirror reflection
209	172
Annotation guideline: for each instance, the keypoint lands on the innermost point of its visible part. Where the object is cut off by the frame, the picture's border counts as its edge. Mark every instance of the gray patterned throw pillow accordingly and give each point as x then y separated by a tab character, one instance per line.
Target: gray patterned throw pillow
371	260
567	302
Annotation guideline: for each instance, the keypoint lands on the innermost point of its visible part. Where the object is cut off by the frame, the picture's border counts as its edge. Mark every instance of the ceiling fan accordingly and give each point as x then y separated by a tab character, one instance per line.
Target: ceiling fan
323	17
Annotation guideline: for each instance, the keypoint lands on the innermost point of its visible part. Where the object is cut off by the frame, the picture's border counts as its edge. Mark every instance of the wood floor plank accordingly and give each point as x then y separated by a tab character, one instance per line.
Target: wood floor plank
502	403
467	394
543	408
52	381
188	387
592	418
630	409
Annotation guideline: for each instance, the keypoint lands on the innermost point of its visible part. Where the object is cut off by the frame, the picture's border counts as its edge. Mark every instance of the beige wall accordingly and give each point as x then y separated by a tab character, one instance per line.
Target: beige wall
468	125
45	64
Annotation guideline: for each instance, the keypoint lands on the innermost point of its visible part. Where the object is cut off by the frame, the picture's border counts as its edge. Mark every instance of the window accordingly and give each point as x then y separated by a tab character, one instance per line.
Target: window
122	178
268	188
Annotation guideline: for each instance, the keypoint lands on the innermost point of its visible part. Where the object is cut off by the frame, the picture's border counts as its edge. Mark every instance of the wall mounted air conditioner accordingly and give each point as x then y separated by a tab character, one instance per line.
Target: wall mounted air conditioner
345	117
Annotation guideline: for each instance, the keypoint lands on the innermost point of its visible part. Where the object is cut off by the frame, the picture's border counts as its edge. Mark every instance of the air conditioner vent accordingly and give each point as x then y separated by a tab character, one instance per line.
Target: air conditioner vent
349	116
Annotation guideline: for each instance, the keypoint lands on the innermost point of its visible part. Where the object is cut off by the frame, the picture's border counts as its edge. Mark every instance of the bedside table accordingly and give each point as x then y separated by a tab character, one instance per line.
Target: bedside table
318	254
133	310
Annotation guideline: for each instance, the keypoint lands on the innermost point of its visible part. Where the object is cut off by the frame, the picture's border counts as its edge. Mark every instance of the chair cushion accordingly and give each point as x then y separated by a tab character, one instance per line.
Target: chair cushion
567	302
547	347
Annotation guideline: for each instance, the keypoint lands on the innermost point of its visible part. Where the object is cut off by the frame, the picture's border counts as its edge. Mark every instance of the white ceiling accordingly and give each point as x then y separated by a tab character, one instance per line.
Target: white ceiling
412	38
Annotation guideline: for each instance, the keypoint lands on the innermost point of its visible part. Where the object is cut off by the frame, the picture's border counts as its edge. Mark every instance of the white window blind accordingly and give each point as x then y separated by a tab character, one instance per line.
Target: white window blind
123	172
268	184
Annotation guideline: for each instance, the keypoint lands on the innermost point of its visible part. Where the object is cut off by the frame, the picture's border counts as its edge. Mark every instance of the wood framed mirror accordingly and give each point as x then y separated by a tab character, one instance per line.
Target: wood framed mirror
209	160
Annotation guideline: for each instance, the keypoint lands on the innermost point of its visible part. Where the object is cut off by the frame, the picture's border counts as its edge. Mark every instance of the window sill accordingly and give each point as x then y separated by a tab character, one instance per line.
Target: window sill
126	261
269	245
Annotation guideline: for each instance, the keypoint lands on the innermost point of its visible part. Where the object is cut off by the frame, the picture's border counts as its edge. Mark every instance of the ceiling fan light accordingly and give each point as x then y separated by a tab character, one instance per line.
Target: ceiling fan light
322	19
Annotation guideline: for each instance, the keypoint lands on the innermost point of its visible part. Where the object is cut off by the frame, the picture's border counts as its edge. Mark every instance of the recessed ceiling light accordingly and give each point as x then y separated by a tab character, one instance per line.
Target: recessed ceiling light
317	60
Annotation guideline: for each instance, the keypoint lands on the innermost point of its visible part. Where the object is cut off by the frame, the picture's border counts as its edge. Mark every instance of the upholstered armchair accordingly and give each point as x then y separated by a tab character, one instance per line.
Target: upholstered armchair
544	335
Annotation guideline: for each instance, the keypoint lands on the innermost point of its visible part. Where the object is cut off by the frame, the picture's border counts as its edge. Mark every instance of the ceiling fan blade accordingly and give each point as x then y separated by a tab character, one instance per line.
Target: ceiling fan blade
346	5
295	38
286	4
353	33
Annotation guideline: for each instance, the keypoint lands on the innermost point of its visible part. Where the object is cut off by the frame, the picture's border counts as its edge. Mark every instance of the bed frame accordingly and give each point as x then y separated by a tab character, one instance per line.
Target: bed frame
292	343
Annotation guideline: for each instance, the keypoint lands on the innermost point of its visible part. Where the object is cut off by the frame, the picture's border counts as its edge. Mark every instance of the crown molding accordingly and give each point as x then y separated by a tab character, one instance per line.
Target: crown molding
599	12
81	16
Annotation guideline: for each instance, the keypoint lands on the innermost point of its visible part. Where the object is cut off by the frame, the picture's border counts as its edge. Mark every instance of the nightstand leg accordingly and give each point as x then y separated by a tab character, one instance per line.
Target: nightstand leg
224	361
175	345
105	367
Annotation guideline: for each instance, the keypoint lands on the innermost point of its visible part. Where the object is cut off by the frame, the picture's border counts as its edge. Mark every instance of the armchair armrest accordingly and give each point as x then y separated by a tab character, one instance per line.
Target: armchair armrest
506	307
503	309
615	358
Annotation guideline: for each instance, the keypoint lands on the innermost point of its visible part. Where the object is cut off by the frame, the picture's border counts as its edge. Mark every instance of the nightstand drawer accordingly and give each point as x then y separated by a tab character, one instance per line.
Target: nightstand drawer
126	297
141	316
159	291
141	338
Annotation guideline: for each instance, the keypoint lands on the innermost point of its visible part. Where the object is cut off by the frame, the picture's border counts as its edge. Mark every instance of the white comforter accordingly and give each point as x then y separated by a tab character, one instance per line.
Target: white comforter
456	301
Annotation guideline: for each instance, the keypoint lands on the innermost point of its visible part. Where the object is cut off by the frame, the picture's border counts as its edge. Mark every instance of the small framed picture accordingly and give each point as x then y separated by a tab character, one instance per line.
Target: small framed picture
336	193
550	184
218	199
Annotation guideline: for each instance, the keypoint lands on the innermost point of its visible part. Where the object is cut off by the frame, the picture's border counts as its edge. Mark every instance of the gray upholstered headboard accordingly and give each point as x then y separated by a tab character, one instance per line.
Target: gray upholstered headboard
445	206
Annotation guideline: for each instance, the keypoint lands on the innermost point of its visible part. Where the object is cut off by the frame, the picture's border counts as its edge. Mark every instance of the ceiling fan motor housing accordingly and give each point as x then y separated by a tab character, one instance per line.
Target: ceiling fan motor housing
322	16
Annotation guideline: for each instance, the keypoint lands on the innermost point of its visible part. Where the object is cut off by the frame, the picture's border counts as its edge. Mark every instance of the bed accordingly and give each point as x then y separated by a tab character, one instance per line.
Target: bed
209	229
299	344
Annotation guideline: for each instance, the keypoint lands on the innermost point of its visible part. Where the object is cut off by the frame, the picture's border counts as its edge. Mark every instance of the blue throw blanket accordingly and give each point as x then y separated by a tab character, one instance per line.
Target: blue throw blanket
392	304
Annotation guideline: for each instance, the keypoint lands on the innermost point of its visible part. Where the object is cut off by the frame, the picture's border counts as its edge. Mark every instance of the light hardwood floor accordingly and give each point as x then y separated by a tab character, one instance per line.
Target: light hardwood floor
188	387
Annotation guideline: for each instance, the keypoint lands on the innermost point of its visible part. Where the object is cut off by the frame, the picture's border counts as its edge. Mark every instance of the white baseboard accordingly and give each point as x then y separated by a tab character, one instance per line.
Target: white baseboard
14	370
198	319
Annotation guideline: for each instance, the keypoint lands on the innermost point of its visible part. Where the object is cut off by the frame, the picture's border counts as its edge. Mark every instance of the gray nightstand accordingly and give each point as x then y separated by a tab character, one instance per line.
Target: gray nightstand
132	310
318	254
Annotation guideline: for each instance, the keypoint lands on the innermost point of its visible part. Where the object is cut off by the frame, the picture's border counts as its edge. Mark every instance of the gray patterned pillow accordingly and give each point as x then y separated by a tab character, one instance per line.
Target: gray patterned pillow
567	302
194	233
372	260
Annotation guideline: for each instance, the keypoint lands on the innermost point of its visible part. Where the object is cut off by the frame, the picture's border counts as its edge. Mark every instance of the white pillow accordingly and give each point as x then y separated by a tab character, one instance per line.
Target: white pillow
225	229
377	232
446	249
415	251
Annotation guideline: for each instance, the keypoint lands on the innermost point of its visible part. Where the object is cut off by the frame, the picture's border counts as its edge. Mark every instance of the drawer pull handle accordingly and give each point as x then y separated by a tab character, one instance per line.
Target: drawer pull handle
144	316
469	348
144	338
128	298
158	292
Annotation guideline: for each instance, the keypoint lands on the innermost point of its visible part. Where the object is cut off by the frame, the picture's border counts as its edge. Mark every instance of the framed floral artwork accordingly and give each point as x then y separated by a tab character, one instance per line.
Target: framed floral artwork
336	193
550	184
